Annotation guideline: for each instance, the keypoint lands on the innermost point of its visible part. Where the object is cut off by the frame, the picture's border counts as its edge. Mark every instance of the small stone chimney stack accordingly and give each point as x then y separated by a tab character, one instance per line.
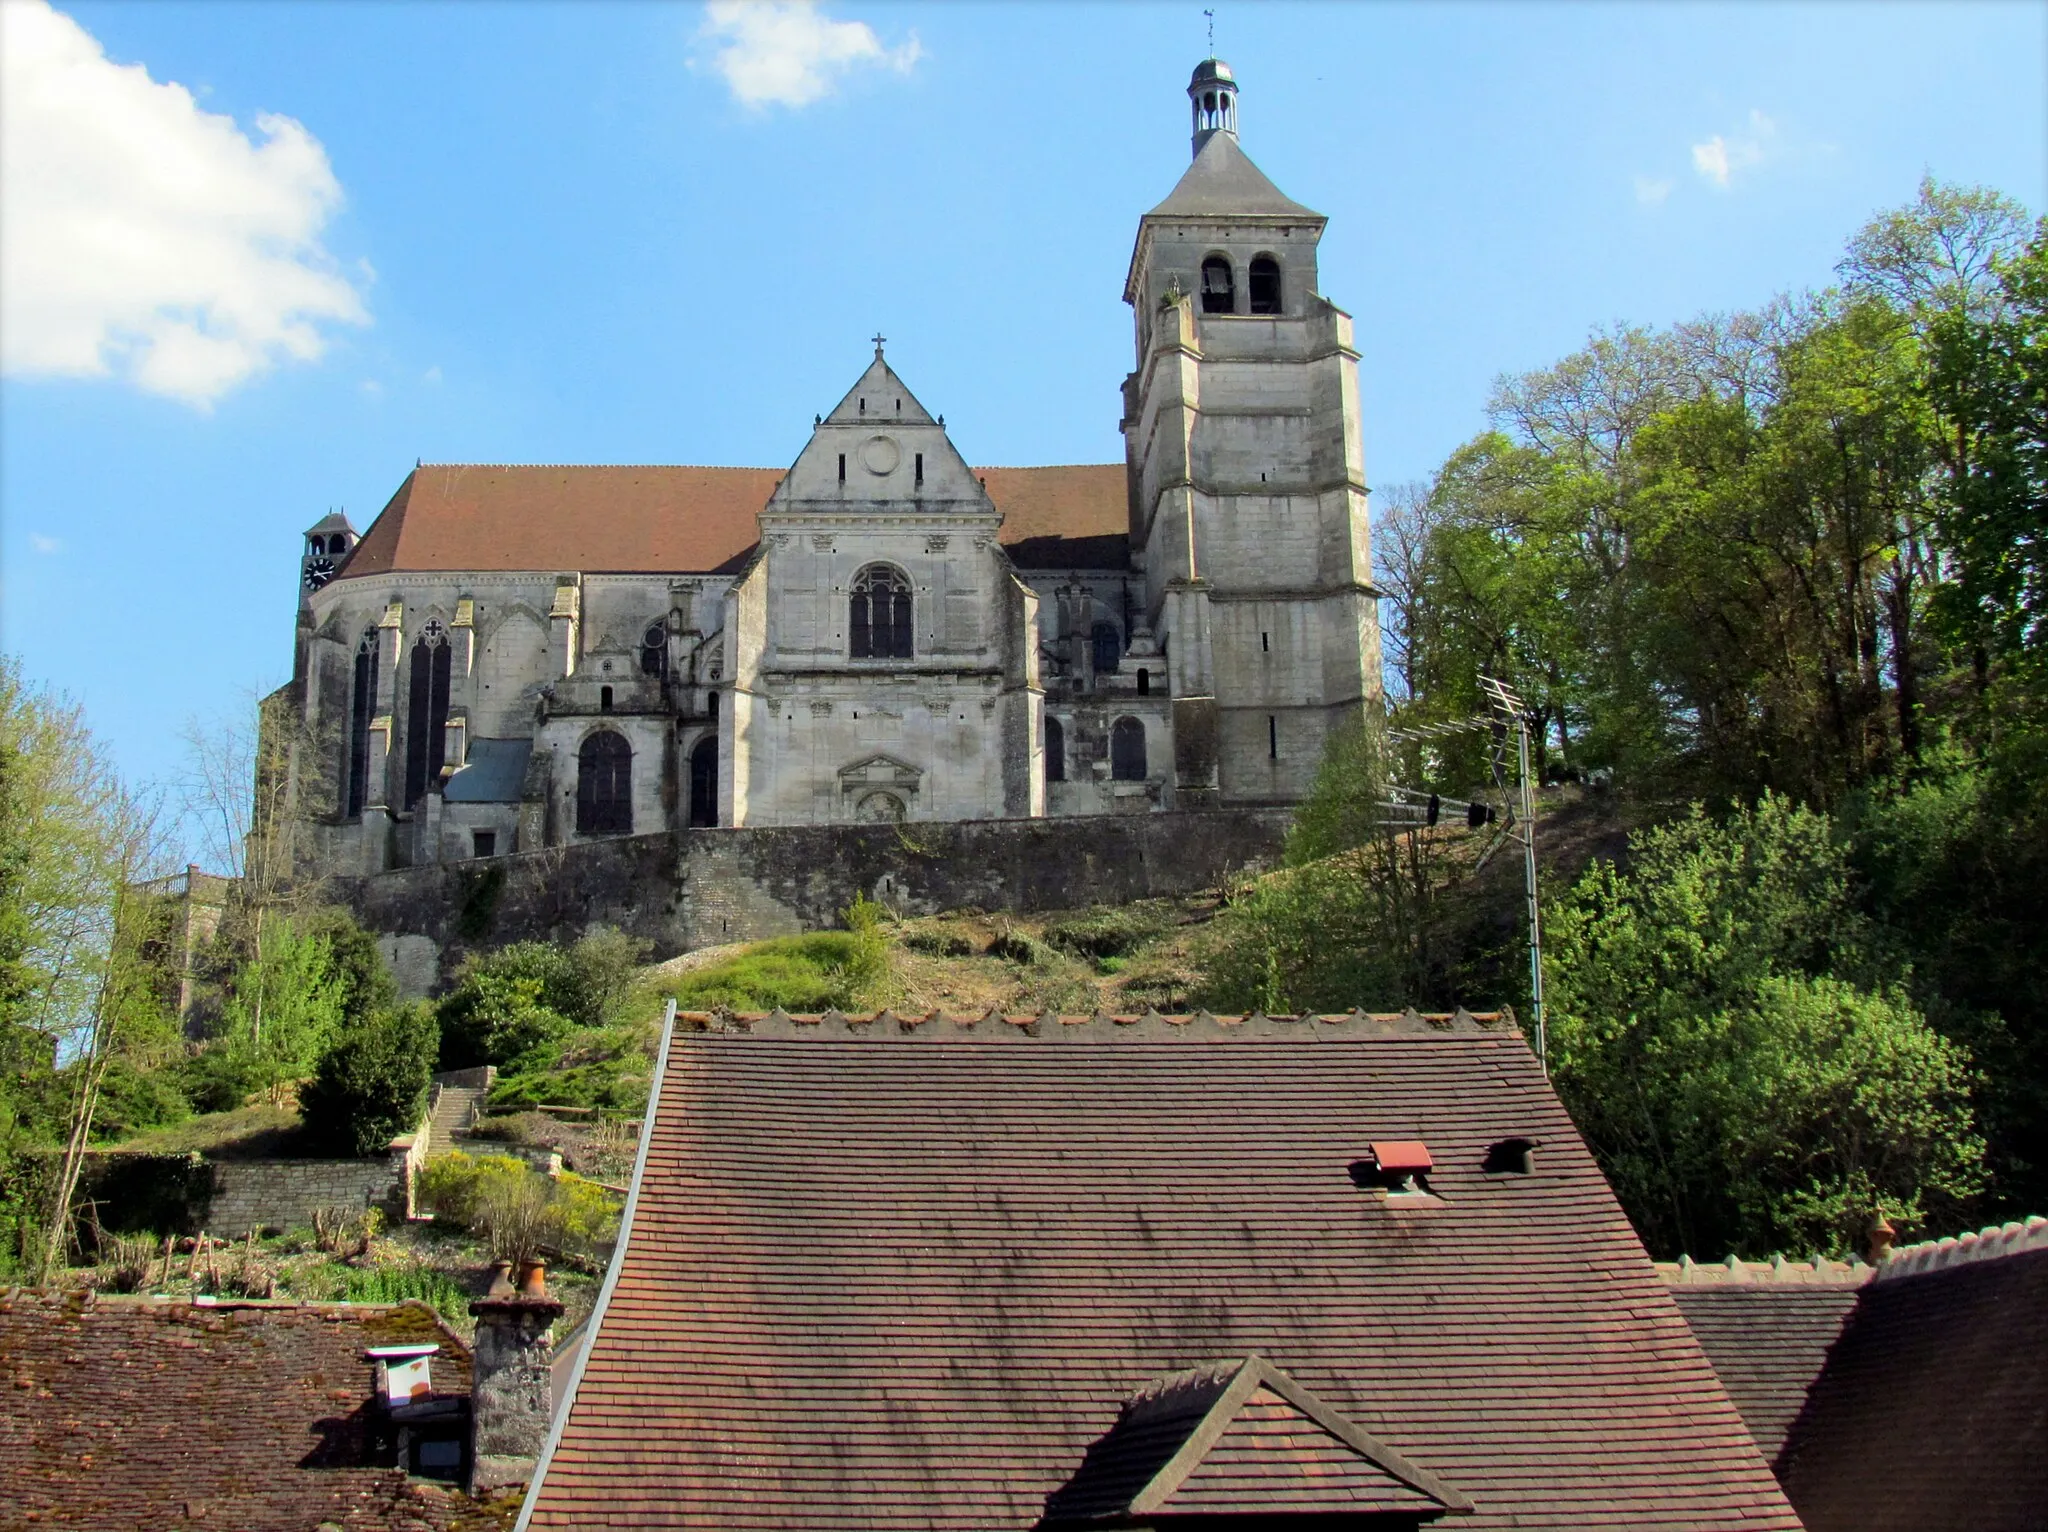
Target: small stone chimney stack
512	1395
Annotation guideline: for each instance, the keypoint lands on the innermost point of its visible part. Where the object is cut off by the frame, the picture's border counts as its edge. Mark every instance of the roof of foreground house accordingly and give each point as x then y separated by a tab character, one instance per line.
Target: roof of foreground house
499	517
1767	1326
140	1412
892	1273
1928	1405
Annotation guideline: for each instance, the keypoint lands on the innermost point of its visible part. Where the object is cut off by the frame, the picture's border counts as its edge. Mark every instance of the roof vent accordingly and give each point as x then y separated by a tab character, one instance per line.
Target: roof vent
1396	1164
1511	1157
402	1371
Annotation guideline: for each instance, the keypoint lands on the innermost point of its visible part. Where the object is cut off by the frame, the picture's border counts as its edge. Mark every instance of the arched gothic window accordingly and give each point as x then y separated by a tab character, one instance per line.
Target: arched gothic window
1108	645
426	711
604	785
879	614
1264	287
1055	751
704	781
361	708
654	650
1127	750
1219	287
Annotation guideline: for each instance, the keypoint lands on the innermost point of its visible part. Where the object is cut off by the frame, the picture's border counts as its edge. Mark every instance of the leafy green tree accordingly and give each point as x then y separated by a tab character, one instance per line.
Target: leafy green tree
1716	1031
285	1005
371	1082
363	979
495	1017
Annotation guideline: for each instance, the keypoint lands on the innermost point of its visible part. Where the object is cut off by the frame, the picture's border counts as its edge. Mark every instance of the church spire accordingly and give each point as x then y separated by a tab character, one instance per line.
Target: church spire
1213	90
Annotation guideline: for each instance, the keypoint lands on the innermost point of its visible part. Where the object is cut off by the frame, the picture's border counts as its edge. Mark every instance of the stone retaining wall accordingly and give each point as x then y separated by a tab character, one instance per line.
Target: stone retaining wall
698	888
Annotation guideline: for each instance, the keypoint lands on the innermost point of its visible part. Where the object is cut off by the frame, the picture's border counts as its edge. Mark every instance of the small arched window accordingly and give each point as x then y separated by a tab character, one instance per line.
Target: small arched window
362	706
604	785
1219	287
335	544
654	650
426	711
1108	645
1055	751
704	781
1264	285
1127	750
879	614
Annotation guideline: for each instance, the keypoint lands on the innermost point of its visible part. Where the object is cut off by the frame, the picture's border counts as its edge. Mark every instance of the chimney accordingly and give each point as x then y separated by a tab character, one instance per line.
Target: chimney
512	1396
1881	1236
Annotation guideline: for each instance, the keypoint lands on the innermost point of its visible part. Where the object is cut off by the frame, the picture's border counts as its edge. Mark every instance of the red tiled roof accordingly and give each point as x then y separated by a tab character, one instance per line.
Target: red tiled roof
902	1275
126	1413
498	517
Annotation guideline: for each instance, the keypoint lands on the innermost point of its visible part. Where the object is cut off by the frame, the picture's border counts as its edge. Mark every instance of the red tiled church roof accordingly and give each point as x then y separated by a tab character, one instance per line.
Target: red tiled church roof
497	517
132	1412
896	1274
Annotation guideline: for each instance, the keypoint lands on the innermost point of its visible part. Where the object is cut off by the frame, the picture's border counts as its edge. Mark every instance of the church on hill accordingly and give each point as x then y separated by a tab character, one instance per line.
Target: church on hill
513	657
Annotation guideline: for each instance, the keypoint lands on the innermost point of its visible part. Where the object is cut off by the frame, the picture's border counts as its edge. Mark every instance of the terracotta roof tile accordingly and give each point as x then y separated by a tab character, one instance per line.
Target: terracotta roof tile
896	1273
541	517
126	1413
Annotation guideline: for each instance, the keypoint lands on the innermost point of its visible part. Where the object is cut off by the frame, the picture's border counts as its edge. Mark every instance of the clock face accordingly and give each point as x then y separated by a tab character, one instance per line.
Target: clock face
318	572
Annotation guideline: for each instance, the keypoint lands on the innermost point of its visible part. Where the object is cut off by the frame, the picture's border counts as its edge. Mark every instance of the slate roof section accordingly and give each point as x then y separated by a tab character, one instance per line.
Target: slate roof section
1224	183
494	772
896	1272
126	1413
449	517
1767	1336
1241	1439
1932	1410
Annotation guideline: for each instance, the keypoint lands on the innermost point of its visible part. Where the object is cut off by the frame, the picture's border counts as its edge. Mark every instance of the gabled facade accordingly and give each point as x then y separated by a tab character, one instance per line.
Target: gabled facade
513	658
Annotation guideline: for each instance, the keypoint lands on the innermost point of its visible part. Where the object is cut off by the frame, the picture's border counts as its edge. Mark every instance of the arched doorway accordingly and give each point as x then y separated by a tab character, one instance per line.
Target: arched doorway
704	782
604	785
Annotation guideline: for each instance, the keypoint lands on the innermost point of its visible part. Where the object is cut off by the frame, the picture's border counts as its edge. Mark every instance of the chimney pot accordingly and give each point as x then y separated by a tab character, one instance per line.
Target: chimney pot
533	1279
501	1280
1881	1236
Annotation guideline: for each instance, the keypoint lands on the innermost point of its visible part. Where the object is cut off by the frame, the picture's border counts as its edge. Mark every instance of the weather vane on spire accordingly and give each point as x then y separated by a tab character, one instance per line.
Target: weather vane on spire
878	338
1212	32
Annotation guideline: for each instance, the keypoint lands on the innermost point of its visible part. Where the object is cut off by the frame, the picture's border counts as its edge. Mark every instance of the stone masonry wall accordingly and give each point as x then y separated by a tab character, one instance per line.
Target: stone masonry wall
699	888
284	1194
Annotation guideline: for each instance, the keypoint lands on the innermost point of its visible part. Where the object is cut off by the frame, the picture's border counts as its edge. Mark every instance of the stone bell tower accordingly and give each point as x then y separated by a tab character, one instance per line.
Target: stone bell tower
1247	474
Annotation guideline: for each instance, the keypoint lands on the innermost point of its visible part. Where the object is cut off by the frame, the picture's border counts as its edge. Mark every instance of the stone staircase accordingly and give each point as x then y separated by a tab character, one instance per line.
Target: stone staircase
455	1106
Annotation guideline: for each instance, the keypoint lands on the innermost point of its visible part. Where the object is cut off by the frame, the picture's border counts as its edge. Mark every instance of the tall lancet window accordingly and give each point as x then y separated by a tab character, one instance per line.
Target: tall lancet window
362	707
879	615
426	711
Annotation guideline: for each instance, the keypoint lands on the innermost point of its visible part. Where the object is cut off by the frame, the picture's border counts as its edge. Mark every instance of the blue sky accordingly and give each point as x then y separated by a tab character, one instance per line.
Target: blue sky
662	233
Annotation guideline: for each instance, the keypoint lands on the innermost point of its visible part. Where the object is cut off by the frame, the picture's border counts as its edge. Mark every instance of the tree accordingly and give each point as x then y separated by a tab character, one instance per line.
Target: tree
1721	1031
1940	254
285	1004
371	1082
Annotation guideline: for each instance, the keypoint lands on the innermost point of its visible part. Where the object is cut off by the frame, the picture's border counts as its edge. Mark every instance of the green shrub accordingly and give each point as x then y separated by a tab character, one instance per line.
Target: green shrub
493	1018
1015	946
939	943
397	1284
608	1069
371	1083
1109	933
519	1211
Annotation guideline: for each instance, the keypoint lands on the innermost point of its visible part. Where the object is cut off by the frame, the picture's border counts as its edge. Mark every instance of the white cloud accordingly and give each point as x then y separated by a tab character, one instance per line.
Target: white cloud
432	376
43	544
1651	190
143	238
789	53
1720	158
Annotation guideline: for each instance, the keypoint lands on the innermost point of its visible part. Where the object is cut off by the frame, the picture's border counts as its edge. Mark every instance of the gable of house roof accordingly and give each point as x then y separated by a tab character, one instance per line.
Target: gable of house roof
901	1272
454	517
1932	1409
134	1412
1241	1439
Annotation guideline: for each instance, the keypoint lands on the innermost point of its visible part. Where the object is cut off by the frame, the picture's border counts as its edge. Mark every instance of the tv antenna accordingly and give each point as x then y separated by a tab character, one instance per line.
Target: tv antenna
1412	809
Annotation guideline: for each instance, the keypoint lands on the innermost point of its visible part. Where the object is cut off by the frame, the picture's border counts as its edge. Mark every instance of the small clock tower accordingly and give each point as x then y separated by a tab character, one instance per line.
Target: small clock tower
328	542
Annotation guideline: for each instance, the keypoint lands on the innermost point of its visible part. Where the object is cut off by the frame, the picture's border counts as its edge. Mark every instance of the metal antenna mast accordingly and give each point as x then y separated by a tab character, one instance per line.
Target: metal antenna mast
1414	810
